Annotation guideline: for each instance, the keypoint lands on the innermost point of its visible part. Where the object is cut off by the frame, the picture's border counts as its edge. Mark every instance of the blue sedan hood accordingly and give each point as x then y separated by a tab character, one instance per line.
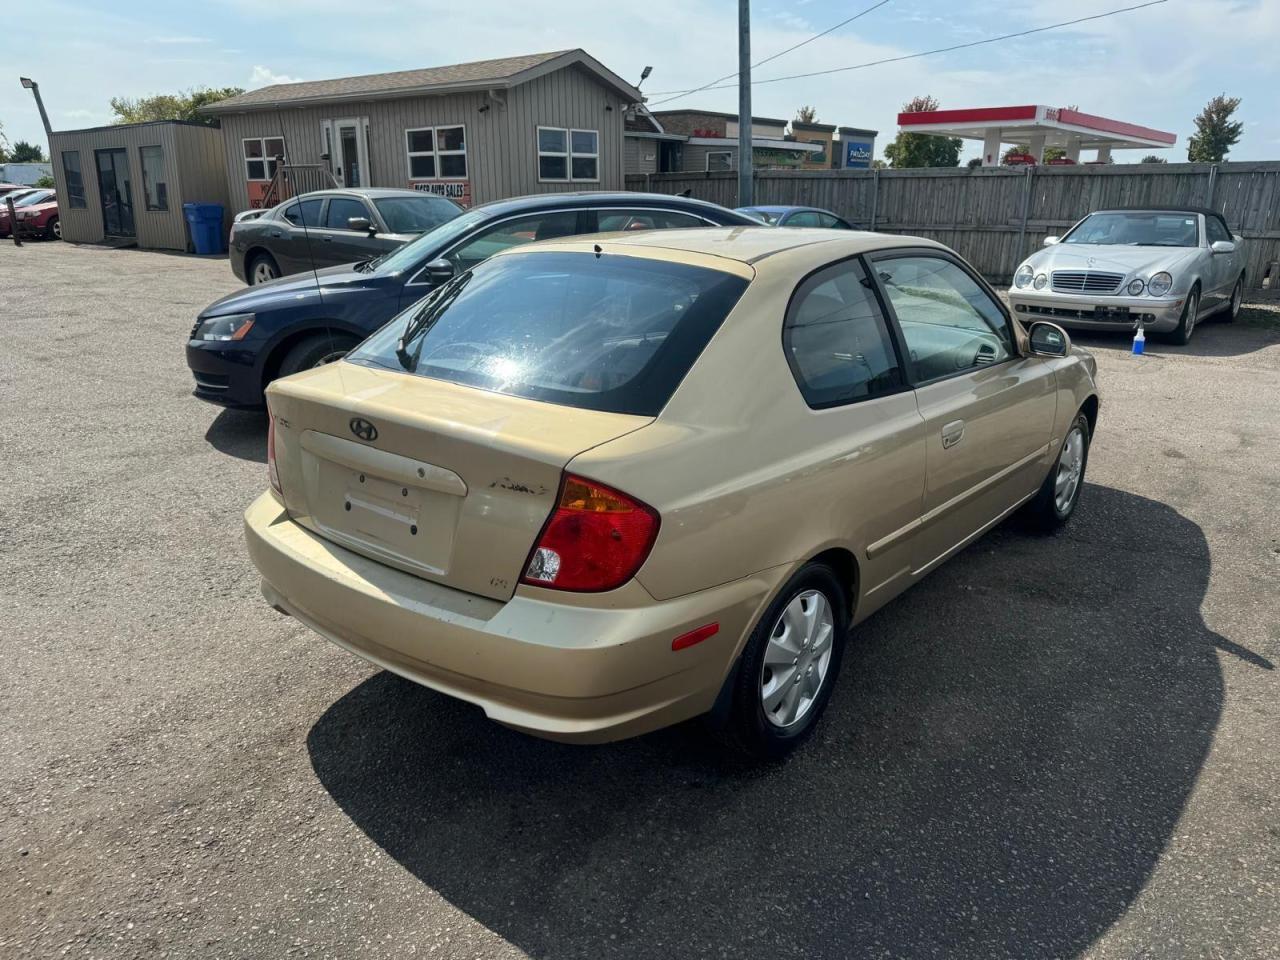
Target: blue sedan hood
289	289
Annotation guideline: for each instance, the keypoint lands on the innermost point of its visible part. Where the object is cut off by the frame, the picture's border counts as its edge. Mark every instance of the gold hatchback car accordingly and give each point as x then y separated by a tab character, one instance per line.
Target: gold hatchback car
598	486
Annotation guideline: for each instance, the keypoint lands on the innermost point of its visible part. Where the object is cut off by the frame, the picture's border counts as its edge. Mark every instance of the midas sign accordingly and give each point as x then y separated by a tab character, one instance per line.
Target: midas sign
457	190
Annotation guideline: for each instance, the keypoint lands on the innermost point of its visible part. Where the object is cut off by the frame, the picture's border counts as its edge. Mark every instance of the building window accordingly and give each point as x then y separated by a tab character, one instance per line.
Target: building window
260	155
568	154
75	182
155	187
437	153
719	160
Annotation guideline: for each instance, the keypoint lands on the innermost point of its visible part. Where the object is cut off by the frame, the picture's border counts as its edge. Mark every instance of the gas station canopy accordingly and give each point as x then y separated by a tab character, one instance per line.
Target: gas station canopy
1037	126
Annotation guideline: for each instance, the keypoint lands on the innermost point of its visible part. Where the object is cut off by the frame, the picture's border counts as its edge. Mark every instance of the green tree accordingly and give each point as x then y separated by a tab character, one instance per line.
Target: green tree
1215	133
171	106
1152	158
806	114
921	149
24	152
44	181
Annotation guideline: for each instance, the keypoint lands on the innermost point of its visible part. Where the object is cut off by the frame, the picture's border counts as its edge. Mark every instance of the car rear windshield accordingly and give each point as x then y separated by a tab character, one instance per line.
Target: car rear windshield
31	199
607	332
1137	229
415	214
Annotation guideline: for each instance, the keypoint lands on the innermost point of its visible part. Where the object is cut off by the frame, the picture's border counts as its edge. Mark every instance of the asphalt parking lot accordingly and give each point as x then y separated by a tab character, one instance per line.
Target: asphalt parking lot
1055	747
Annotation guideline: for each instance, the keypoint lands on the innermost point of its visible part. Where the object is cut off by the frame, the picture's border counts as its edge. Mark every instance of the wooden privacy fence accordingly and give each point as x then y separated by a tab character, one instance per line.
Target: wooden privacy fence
995	216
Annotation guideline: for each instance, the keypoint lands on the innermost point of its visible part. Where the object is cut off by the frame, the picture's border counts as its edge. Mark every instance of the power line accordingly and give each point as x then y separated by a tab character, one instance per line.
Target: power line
677	94
780	53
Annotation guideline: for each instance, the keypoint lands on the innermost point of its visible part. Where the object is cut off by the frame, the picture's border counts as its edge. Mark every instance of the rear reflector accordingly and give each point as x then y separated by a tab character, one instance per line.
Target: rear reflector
686	640
272	473
596	539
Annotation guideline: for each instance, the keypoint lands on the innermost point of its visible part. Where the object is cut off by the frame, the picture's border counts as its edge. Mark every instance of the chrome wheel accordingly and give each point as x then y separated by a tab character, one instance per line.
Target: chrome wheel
797	658
331	357
1192	308
263	271
1070	469
57	229
1237	296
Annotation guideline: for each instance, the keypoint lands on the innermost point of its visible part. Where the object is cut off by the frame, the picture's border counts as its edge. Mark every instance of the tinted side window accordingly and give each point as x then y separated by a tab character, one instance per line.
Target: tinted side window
836	340
341	209
1216	230
610	220
513	233
805	218
304	212
950	324
834	222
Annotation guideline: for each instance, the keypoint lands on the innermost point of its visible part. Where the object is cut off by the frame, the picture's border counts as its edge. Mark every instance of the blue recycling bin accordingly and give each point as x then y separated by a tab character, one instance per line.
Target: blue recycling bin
204	220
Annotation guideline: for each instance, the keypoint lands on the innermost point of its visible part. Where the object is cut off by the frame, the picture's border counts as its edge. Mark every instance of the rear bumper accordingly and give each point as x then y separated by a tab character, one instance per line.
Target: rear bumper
585	669
1086	312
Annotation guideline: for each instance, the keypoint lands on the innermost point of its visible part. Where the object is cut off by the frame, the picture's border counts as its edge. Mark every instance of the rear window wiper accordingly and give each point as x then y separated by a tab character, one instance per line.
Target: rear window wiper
422	321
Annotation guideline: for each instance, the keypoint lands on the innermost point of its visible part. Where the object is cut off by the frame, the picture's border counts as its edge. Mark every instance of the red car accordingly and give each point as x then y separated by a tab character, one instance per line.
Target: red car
38	214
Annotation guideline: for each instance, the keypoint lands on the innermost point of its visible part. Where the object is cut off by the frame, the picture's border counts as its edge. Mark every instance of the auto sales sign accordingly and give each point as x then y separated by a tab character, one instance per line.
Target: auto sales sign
458	191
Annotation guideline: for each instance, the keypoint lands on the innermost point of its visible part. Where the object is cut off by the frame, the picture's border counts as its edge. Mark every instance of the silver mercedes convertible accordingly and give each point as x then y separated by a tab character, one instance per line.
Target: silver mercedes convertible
1162	268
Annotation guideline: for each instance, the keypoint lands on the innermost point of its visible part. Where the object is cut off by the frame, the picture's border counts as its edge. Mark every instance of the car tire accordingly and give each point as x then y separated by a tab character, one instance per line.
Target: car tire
1232	309
1187	322
1055	502
53	229
315	351
775	705
262	268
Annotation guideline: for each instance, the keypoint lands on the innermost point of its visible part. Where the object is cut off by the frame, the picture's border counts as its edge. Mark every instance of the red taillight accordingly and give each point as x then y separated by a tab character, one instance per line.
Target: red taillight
596	539
272	473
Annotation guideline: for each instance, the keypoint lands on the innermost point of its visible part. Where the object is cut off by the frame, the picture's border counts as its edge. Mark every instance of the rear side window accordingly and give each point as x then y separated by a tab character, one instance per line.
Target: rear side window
610	333
628	220
304	213
836	339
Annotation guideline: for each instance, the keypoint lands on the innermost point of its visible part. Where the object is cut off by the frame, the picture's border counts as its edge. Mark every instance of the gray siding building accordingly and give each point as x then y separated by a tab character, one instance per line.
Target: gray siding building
474	132
129	181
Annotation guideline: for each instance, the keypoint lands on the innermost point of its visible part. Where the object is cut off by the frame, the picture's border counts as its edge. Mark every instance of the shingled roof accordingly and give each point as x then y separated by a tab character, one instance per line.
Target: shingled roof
478	75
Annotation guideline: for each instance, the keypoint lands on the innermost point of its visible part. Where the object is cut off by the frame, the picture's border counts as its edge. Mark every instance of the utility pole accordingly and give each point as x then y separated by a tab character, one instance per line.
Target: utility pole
34	87
745	185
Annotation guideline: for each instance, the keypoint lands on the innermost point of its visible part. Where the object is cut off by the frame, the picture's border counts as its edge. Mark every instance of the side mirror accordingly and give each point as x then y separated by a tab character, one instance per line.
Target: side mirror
440	271
360	225
1048	339
1052	241
1222	246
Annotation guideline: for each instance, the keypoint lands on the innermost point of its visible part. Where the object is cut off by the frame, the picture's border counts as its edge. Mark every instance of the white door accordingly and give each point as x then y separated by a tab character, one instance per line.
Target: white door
346	141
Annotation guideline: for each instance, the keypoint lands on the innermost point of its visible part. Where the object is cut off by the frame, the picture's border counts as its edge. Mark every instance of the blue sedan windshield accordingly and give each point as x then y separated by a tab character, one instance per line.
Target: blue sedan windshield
411	254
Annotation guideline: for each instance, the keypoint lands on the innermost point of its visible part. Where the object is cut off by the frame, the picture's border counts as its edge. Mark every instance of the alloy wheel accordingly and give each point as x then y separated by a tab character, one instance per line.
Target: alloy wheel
797	658
262	272
1192	308
1070	469
57	229
331	357
1237	296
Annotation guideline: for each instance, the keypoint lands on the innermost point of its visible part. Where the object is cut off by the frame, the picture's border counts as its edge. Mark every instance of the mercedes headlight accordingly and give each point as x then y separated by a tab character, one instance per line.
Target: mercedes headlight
1040	281
1135	288
231	327
1160	284
1026	273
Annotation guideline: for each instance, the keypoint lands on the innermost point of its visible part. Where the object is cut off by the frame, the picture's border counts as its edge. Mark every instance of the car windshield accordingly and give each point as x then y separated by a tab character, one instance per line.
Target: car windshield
40	196
1137	229
415	214
411	254
610	332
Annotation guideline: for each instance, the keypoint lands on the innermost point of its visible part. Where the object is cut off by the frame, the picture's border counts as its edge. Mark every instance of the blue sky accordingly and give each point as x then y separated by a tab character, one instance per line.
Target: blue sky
1155	66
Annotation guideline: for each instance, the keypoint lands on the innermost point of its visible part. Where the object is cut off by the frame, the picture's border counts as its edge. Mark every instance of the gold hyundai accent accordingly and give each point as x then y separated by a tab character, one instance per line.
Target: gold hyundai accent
603	485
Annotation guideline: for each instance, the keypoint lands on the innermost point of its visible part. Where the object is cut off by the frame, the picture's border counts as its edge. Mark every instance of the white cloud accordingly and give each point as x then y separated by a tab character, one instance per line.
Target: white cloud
265	77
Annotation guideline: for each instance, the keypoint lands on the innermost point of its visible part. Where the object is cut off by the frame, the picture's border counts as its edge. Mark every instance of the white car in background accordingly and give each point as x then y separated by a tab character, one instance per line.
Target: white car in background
1164	268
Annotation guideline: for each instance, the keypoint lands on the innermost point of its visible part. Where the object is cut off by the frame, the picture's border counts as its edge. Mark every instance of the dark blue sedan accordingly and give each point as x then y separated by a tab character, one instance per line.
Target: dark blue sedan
780	216
244	341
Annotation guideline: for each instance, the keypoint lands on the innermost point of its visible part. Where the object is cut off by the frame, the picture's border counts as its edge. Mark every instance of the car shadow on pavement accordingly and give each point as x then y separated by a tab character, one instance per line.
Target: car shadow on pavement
1007	753
240	433
1211	338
